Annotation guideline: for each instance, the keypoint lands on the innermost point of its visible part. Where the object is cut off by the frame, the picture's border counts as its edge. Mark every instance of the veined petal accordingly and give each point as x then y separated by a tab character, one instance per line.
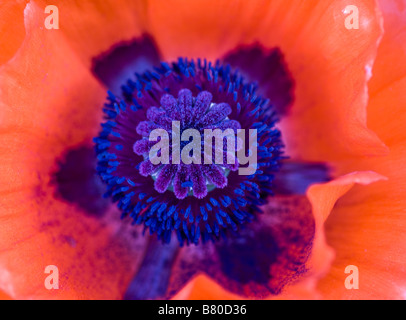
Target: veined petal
367	229
322	198
329	63
45	108
261	260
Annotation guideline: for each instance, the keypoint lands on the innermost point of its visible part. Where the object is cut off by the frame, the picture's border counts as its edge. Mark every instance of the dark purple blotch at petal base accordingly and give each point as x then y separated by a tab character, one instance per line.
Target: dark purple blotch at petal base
243	259
77	181
199	204
261	260
122	61
296	177
268	69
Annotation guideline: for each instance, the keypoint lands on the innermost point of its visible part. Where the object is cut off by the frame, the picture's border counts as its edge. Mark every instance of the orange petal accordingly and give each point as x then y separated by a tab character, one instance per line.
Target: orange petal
387	87
4	296
48	103
204	288
11	27
367	229
323	198
205	29
248	264
330	66
329	63
92	27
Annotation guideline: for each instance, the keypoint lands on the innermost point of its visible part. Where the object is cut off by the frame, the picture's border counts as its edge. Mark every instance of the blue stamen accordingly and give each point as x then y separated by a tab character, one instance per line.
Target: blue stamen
198	202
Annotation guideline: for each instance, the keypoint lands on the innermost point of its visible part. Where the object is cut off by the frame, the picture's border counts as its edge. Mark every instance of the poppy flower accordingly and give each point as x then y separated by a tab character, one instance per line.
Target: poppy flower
116	70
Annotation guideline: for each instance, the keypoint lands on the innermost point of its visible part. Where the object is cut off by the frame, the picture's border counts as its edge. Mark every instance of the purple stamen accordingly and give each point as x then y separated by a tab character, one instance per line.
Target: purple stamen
192	202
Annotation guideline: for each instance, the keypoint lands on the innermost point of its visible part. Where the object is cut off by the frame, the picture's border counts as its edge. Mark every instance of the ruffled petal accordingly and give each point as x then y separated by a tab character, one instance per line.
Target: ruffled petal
38	130
367	229
330	64
387	87
48	103
322	198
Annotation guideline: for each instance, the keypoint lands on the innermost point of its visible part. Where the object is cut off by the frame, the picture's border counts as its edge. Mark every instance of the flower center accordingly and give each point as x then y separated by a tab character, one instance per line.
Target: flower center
173	151
184	172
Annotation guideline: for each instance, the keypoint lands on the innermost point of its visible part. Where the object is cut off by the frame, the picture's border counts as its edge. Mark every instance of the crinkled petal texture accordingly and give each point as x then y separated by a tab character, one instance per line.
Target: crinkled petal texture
329	63
261	259
45	108
322	198
367	229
